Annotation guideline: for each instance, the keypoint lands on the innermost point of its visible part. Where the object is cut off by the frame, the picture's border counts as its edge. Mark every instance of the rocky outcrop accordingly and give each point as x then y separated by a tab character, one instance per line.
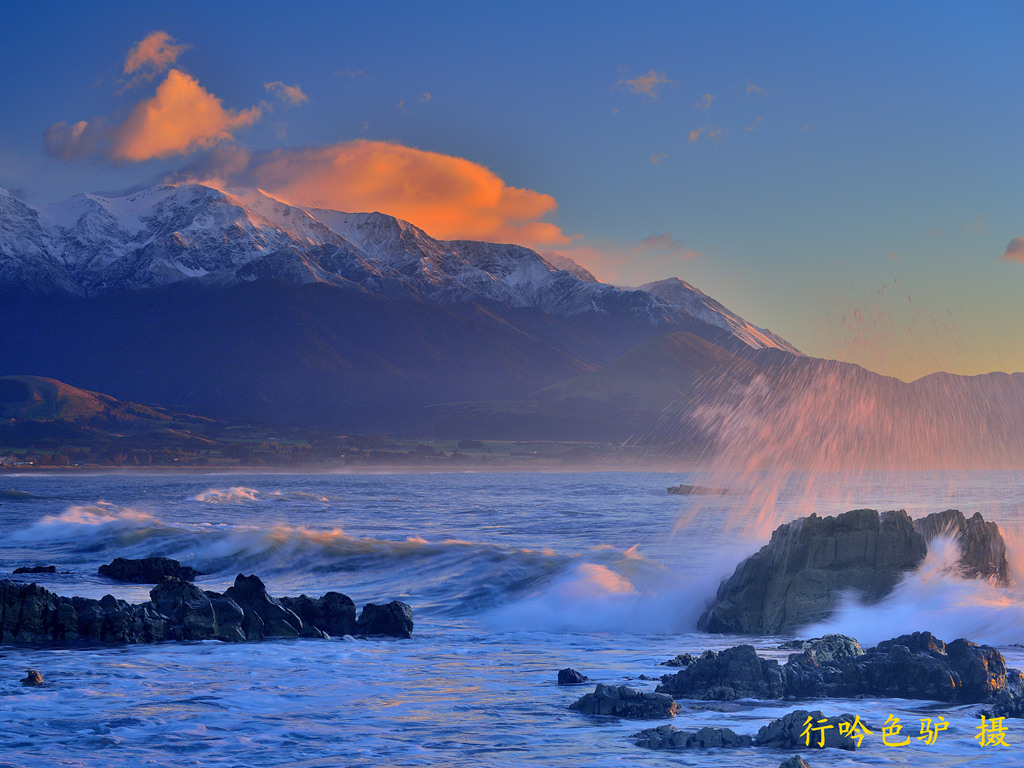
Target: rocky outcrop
799	576
620	701
179	610
828	648
982	549
35	569
148	570
670	737
735	673
789	732
917	666
393	619
794	762
32	678
570	676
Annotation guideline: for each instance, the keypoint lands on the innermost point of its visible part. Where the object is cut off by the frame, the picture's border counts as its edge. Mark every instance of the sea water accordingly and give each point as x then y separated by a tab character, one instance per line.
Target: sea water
511	577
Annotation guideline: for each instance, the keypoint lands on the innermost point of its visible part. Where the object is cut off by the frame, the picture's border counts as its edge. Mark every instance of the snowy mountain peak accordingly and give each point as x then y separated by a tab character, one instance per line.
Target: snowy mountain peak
93	244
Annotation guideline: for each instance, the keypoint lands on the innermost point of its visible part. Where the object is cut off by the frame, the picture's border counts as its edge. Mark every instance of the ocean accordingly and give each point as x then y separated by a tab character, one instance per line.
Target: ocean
511	577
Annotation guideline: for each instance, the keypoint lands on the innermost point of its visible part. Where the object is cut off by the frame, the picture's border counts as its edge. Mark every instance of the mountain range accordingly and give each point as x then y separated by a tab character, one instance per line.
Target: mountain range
237	306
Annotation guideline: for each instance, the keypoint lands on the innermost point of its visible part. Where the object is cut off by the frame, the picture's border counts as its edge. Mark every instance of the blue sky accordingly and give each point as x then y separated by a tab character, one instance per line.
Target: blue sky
846	175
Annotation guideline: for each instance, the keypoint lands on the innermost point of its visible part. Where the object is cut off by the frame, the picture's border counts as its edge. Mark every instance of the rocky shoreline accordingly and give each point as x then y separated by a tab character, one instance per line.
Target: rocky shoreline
178	610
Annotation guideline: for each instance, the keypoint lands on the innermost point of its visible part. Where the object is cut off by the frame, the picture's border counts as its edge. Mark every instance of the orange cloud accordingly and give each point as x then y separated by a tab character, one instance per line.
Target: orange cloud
152	55
181	117
703	104
448	197
290	94
1015	250
647	85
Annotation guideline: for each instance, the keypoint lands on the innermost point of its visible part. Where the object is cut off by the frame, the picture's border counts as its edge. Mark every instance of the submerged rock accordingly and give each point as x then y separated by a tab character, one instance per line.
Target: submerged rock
35	569
917	666
570	676
148	570
620	701
794	762
32	678
800	575
179	610
670	737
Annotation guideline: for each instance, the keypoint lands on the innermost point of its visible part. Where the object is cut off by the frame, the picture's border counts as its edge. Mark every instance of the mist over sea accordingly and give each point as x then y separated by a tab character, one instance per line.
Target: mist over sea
511	577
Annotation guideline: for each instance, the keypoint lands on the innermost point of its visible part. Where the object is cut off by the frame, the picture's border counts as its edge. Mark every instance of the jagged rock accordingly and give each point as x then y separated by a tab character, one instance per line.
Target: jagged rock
670	737
35	569
735	673
32	678
392	620
917	666
794	762
828	648
148	570
798	576
178	610
982	549
785	733
570	676
334	613
620	701
680	660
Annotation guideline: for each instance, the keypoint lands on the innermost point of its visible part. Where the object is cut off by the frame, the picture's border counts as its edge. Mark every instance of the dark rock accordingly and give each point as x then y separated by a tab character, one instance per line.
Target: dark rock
620	701
570	676
917	666
785	733
828	648
179	610
735	673
334	613
276	620
391	620
36	569
982	549
670	737
32	678
794	762
798	576
148	570
681	660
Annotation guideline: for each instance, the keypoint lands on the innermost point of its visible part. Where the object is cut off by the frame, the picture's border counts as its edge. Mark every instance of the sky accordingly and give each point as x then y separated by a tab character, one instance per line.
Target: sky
846	175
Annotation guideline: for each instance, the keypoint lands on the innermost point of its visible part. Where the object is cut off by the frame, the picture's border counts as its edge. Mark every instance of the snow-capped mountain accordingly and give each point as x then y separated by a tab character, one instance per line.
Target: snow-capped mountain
93	246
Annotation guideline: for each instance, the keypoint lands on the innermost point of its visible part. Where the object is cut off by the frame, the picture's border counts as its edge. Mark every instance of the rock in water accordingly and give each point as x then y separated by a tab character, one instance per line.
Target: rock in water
735	673
334	613
798	577
391	620
35	569
620	701
982	549
785	733
570	676
32	678
148	570
794	762
670	737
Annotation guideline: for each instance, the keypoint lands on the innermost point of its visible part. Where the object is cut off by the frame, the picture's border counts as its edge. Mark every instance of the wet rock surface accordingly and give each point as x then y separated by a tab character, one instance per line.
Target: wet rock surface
670	737
621	701
800	575
35	569
794	762
916	666
789	732
570	676
32	678
179	610
147	570
393	619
